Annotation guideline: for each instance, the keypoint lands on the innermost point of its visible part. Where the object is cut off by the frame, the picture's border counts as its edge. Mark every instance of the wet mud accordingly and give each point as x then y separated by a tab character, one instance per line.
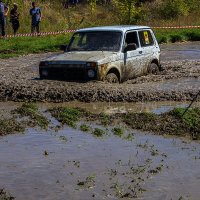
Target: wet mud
179	81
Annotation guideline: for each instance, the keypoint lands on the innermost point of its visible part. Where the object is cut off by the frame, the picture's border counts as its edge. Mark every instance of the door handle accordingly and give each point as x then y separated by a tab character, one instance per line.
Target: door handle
140	52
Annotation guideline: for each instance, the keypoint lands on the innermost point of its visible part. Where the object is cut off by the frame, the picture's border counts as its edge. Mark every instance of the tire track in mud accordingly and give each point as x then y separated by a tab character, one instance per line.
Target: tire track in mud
19	81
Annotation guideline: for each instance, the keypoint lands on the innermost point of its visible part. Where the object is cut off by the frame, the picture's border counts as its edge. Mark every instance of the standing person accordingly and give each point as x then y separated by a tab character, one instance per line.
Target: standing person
14	18
3	14
35	12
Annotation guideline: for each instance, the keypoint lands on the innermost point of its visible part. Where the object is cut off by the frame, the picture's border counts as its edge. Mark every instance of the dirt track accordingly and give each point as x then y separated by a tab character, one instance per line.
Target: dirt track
179	81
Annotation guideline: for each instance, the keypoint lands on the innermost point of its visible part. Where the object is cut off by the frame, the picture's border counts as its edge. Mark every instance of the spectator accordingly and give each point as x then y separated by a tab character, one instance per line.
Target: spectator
3	13
35	12
14	18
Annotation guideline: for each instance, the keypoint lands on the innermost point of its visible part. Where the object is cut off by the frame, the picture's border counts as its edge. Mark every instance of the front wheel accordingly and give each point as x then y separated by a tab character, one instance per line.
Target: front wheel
112	78
153	68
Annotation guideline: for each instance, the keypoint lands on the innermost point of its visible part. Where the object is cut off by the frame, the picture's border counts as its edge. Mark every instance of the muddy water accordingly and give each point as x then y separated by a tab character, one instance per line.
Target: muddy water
27	173
104	107
120	107
180	51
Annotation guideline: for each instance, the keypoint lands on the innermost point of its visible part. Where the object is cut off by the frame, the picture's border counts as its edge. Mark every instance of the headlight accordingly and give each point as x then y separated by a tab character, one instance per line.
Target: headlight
91	64
91	73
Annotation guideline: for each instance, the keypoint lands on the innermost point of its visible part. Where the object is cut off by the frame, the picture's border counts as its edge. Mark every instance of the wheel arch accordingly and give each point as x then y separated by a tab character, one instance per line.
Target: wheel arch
115	71
156	61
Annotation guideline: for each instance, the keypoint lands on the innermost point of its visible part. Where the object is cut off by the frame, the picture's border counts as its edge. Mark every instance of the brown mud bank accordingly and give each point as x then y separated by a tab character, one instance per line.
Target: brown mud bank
19	81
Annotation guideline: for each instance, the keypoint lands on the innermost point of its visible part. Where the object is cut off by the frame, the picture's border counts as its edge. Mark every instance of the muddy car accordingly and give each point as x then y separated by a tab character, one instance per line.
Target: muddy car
111	53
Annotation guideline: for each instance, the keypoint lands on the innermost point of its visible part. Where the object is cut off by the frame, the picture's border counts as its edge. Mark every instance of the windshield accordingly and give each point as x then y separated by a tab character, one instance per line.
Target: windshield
95	41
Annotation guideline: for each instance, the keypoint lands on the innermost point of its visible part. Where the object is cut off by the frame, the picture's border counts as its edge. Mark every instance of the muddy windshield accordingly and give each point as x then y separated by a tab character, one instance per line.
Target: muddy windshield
95	41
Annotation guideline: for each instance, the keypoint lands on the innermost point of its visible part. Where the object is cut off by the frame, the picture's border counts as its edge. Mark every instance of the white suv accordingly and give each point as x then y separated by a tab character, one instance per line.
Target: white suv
109	53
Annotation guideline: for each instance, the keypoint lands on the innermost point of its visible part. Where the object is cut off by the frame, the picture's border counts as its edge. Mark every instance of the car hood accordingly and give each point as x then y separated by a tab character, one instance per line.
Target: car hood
93	56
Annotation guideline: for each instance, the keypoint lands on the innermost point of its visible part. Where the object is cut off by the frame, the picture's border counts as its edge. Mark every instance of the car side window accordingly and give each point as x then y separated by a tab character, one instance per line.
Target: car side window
131	37
146	38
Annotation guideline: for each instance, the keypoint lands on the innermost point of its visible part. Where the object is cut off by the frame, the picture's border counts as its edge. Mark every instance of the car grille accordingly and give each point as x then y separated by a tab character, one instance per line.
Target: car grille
71	72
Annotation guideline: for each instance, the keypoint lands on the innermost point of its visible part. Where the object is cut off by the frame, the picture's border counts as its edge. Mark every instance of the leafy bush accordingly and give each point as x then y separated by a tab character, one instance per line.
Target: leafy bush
127	11
170	9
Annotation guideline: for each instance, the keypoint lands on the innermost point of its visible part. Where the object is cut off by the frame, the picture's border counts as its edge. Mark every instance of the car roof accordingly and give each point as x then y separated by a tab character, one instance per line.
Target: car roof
122	28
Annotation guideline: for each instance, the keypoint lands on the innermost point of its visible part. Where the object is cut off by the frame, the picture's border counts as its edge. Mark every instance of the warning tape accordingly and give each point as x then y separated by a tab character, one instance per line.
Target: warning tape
38	34
70	31
174	27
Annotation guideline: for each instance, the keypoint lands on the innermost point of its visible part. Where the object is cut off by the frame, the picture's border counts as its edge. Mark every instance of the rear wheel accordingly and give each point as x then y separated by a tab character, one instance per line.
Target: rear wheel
153	68
112	78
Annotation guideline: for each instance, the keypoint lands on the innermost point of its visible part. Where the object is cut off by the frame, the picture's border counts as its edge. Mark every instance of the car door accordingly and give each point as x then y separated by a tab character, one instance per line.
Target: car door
148	46
133	58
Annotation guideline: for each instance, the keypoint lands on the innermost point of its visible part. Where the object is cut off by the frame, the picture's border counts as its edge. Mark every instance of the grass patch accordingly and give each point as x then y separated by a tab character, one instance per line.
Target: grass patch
68	116
12	47
31	110
98	132
177	35
84	128
191	119
105	119
140	120
118	131
171	123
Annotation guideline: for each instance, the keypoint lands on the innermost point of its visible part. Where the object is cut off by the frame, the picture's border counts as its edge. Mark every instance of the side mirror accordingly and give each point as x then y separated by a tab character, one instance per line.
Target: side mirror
63	47
130	47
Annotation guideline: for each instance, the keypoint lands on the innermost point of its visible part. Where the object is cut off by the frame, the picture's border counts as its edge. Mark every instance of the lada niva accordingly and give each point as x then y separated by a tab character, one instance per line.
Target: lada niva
110	53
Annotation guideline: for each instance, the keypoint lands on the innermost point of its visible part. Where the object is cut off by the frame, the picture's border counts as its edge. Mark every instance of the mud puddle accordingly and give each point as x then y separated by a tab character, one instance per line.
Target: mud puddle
70	164
180	51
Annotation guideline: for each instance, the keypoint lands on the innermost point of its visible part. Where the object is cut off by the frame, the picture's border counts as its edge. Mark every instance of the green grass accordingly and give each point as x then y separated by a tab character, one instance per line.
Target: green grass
98	132
105	119
68	116
177	35
191	119
118	131
84	128
31	110
12	47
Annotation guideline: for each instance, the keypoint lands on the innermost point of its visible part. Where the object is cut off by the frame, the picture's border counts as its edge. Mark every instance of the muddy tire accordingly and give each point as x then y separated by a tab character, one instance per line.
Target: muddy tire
111	78
153	68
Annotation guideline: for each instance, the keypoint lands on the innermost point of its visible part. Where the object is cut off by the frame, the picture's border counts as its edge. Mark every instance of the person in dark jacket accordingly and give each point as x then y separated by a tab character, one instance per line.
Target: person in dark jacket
35	12
3	14
14	18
